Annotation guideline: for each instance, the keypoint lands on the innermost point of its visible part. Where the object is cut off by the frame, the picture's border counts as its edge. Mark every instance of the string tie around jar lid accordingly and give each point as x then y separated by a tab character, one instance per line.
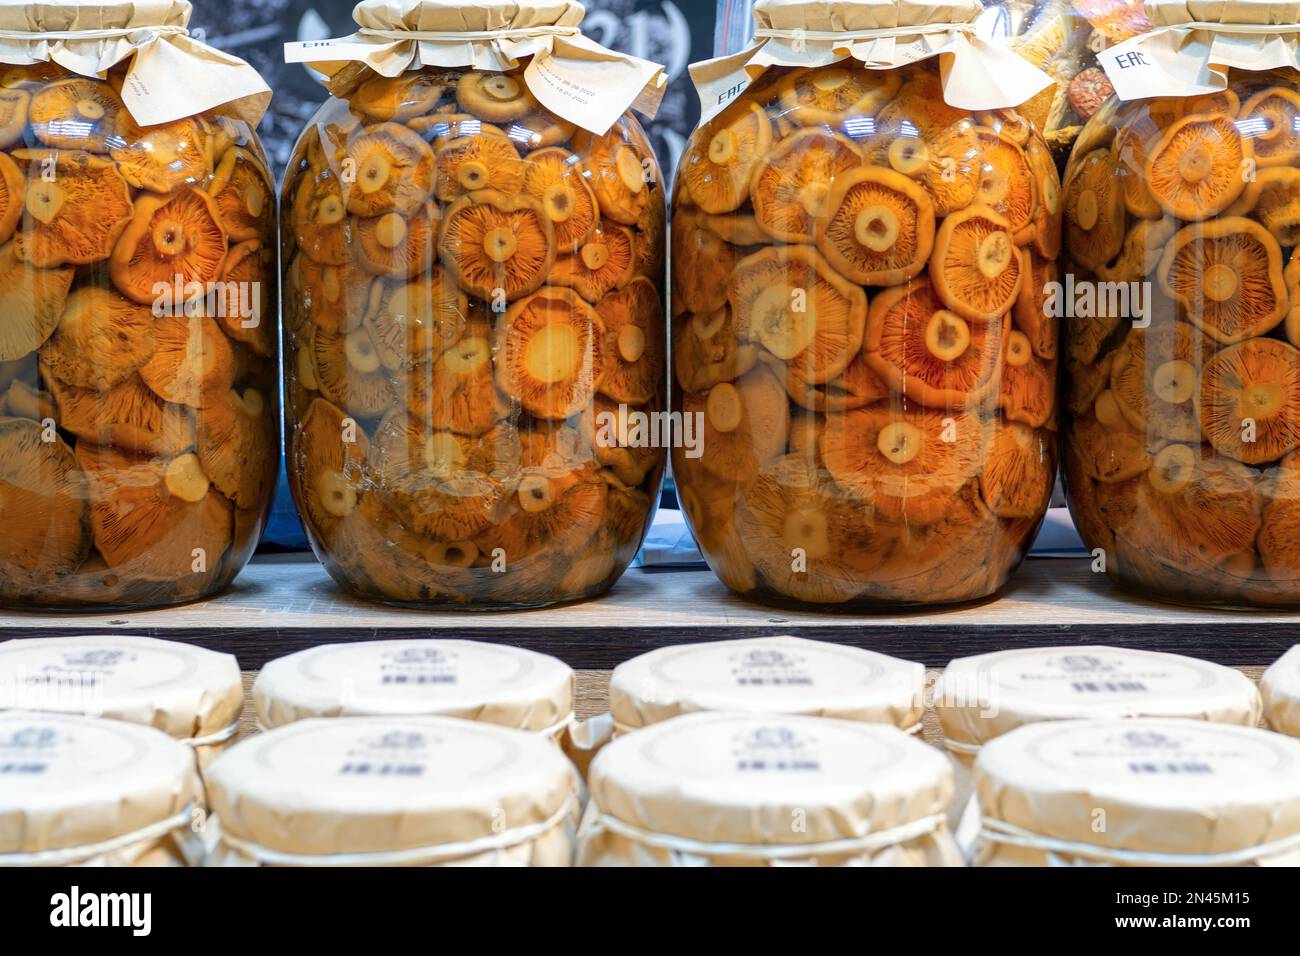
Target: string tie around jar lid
854	36
999	831
409	856
108	34
596	822
479	36
69	856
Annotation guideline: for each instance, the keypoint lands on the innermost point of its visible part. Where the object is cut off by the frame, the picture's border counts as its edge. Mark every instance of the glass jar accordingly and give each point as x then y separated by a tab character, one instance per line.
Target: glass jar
859	334
475	344
1182	376
138	349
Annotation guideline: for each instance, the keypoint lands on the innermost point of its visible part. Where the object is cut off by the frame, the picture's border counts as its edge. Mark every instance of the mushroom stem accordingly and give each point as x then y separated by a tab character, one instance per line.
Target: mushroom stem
631	343
536	493
500	244
724	408
185	479
44	201
876	228
1220	282
899	442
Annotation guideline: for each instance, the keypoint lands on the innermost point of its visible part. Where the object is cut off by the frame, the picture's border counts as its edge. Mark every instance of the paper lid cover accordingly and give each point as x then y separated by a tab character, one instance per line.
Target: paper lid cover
1154	785
494	683
982	697
1193	44
571	75
768	779
183	690
68	781
787	675
881	34
172	75
379	784
1280	688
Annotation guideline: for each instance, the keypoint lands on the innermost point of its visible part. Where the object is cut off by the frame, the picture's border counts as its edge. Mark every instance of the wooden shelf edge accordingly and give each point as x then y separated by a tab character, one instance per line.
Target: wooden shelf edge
278	607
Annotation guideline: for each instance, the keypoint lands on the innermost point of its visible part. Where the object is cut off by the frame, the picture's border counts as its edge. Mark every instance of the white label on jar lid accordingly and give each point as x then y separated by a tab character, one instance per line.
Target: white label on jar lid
1078	678
1190	756
362	754
389	671
750	748
83	675
41	753
773	667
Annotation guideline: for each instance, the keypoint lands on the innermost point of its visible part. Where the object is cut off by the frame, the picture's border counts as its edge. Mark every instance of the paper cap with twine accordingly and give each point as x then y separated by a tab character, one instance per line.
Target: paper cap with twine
977	74
573	77
1194	43
985	696
85	791
721	788
1144	792
779	675
414	791
494	683
1280	687
171	75
187	692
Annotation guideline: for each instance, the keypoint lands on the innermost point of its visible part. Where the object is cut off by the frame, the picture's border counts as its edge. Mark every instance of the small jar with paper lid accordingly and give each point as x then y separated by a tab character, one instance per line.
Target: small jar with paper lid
493	683
1182	312
982	697
1280	688
139	421
773	675
77	791
394	791
730	789
860	226
475	340
189	693
1146	792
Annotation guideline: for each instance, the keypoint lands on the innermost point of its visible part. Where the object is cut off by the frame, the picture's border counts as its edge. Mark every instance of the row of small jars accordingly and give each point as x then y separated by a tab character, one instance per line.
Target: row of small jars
867	291
755	752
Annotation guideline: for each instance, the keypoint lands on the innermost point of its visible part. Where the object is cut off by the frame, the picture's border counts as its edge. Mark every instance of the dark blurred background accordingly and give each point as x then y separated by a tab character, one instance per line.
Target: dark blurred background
674	34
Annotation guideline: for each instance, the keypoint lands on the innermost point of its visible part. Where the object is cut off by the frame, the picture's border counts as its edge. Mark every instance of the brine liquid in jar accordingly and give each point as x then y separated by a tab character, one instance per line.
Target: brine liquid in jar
1182	377
475	342
139	398
858	326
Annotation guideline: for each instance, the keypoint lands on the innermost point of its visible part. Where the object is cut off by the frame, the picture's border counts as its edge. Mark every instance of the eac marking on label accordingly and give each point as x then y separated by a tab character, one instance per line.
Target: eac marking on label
728	94
1132	58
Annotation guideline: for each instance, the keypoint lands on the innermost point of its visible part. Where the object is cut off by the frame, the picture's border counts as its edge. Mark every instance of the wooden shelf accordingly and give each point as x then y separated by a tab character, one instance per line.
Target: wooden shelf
281	605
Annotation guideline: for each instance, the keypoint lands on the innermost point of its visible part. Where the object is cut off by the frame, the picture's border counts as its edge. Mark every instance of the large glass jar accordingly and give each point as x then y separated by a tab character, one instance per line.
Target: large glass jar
138	349
858	330
475	342
1182	217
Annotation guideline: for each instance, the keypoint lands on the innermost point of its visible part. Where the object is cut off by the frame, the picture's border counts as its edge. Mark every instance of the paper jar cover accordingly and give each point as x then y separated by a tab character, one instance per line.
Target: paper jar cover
1280	687
881	34
494	683
383	784
171	75
68	781
185	691
1151	785
768	779
1193	44
571	75
784	675
982	697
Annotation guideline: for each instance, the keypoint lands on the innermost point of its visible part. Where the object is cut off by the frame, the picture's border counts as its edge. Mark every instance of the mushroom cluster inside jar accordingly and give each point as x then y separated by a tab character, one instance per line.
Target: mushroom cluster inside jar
475	341
1183	381
138	355
858	323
